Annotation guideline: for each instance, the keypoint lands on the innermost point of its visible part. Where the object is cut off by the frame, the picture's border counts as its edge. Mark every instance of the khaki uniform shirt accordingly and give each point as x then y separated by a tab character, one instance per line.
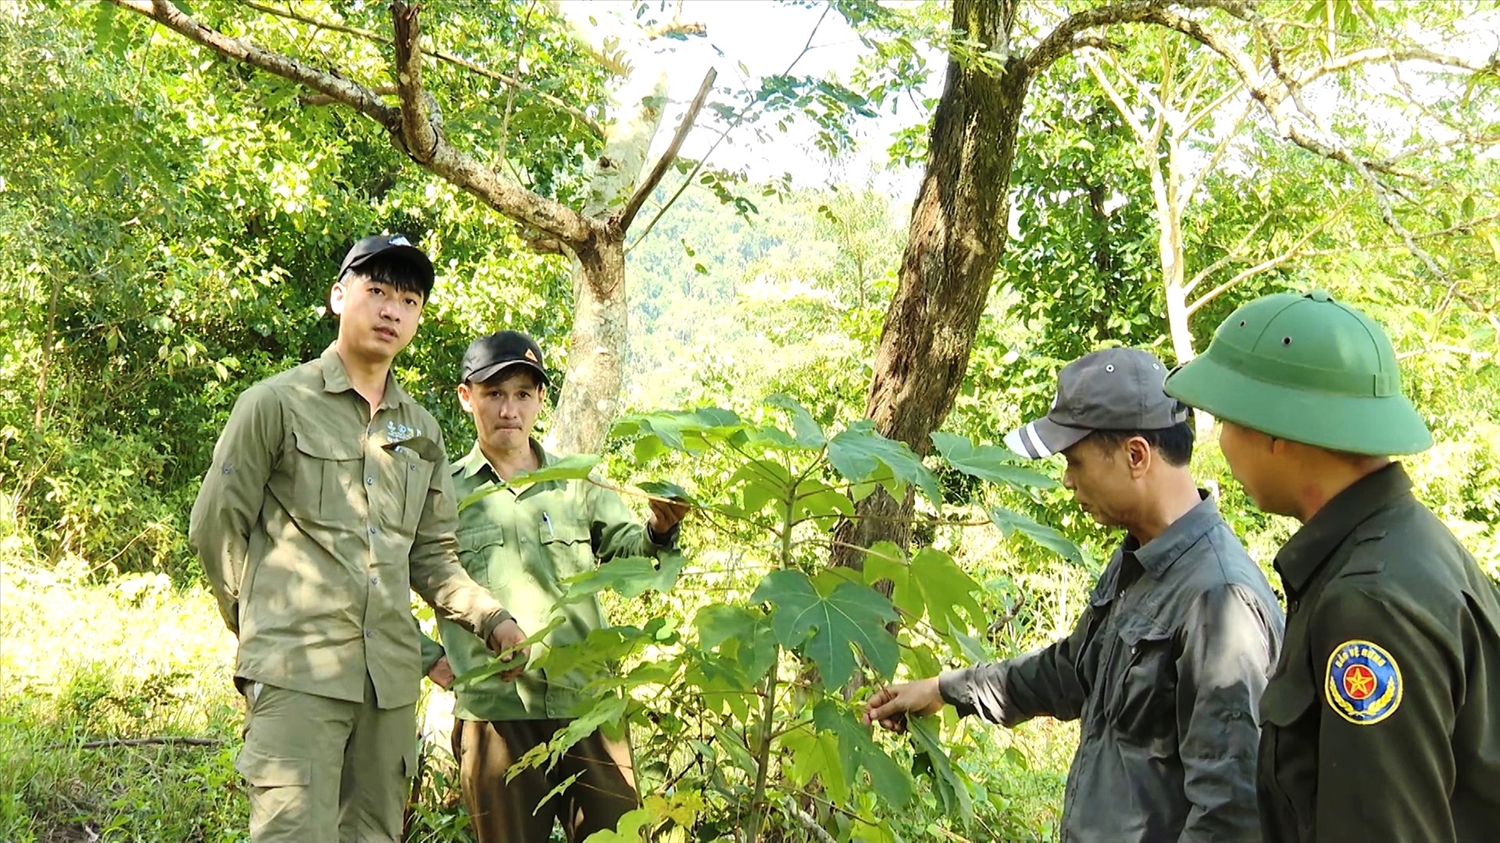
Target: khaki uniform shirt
314	524
522	544
1164	670
1382	720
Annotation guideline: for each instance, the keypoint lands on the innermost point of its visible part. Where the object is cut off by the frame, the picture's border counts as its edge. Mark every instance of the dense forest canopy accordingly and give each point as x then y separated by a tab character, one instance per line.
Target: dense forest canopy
793	356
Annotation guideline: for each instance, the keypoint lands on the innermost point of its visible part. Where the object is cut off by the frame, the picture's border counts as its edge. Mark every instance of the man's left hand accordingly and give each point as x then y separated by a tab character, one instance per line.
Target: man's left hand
665	514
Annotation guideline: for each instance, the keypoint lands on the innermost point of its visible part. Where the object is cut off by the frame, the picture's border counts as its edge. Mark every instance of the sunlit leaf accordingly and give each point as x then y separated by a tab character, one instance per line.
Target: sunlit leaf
852	615
858	452
988	462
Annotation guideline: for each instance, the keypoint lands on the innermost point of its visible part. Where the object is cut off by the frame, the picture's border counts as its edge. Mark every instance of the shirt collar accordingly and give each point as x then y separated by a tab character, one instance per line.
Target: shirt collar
1157	555
336	379
475	462
1306	552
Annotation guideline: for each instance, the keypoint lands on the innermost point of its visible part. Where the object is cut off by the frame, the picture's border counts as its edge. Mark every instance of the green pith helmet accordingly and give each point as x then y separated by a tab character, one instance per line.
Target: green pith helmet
1308	369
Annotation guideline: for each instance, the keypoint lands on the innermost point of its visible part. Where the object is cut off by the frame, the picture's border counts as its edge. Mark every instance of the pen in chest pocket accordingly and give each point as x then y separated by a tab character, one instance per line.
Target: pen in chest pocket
548	522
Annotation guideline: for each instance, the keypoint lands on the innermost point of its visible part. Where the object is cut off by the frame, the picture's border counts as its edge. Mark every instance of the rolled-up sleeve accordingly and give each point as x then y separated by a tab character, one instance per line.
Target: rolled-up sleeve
232	494
1229	644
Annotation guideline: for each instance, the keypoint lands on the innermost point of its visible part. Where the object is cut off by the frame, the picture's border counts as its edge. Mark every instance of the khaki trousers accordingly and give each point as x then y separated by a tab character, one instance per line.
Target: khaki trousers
507	812
321	770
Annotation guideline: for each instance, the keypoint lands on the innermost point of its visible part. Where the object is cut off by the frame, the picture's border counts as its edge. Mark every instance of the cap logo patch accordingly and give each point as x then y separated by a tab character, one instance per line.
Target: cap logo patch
399	241
530	356
1364	683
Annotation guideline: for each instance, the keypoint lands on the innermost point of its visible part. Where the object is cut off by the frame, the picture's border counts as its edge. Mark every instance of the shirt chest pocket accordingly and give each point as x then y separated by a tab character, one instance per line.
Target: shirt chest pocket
1146	689
1288	748
566	545
326	480
410	474
481	551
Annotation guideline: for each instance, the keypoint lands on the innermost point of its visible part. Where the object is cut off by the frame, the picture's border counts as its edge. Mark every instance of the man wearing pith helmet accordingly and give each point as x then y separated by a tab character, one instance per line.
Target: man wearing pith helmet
1382	719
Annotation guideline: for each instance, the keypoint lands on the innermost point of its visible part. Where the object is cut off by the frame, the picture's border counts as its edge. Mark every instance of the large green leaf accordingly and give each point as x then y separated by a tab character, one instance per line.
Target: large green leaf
1011	522
816	754
743	636
951	789
808	432
688	432
630	577
572	467
988	462
852	614
858	750
495	666
858	452
930	584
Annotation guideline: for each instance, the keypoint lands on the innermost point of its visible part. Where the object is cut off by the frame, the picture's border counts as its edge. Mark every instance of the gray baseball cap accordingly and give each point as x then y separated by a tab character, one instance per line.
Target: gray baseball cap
1112	389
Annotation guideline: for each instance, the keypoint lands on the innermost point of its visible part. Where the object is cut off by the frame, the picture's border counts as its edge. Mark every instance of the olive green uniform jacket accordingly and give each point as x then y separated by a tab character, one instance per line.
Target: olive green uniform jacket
521	544
314	524
1382	720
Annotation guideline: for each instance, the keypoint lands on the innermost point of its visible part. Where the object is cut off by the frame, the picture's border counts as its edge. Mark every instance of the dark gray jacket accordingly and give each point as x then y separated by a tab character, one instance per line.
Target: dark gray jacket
1165	669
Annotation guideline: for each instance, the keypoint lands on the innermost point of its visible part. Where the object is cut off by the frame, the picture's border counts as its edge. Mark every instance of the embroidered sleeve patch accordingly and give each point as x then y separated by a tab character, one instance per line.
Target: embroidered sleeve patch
1364	682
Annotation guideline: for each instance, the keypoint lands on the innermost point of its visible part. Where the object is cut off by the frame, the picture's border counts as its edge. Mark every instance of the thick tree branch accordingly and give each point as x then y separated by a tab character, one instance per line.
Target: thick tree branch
374	37
1065	38
418	132
545	215
352	94
626	215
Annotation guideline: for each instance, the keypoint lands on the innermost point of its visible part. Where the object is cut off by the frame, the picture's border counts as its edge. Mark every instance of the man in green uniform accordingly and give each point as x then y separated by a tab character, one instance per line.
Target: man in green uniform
1382	720
522	543
328	502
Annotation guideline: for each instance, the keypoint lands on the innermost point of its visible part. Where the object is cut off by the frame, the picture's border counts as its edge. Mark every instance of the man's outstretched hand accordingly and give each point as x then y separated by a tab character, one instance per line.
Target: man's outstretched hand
890	705
508	636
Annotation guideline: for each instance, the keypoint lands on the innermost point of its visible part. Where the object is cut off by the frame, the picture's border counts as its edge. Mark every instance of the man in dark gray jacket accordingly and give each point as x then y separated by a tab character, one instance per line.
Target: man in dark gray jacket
1167	663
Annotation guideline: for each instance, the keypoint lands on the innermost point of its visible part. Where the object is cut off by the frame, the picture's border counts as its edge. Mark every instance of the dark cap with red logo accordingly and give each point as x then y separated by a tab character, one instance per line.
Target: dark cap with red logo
491	355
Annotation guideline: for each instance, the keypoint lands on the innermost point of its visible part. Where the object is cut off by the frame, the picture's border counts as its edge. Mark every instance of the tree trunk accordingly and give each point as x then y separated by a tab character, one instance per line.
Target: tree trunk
599	342
590	393
958	230
1169	213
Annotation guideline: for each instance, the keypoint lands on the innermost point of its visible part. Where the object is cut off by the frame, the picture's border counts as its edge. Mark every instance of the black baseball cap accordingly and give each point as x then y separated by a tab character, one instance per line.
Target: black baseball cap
390	247
489	356
1112	389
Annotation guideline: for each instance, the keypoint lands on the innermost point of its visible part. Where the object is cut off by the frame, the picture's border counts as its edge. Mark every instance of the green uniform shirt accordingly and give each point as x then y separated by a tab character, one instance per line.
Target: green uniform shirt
1382	720
314	524
521	545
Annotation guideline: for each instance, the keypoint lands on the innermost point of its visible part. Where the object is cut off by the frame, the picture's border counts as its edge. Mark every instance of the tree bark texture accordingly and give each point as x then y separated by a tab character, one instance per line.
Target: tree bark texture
958	230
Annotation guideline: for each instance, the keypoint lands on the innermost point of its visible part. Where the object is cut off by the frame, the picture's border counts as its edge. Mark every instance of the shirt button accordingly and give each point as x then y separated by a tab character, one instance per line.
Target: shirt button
369	481
369	633
373	531
374	580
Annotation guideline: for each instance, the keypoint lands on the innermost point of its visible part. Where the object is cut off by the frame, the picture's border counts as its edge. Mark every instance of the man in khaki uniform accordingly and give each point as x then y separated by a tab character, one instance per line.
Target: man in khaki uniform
522	543
328	500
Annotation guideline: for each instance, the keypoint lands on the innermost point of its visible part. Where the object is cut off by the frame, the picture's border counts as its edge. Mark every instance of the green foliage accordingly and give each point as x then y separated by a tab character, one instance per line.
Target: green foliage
764	664
151	274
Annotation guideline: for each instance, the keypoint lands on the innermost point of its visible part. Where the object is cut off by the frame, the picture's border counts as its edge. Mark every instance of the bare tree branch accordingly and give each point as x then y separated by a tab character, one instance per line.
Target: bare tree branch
1292	251
1229	257
1220	148
316	100
627	214
509	81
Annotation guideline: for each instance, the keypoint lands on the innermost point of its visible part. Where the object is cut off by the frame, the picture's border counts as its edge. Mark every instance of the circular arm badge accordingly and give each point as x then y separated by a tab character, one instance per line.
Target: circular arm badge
1364	683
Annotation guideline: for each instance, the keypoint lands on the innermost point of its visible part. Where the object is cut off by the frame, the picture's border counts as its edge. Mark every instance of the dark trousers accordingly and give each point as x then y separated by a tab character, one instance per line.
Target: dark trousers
506	812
